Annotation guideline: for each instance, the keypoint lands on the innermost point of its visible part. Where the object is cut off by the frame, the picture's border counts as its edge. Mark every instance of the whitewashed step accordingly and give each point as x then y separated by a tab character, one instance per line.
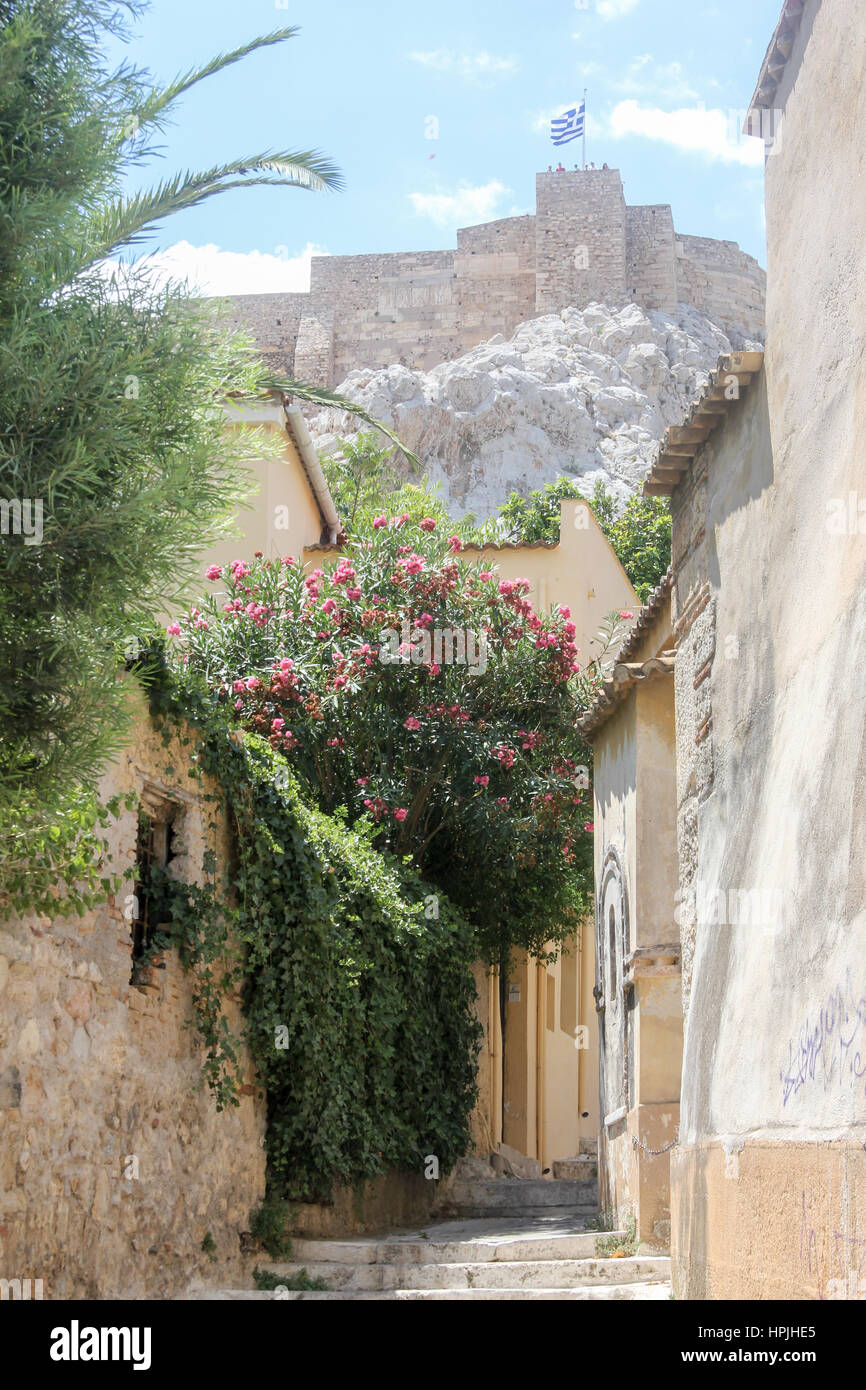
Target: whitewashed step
598	1292
555	1246
490	1274
521	1195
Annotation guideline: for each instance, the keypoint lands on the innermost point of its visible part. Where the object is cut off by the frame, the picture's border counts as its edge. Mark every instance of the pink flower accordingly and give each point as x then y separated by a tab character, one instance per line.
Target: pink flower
482	781
589	826
238	687
626	613
425	620
213	572
455	544
379	521
428	524
253	683
486	574
286	664
329	606
362	781
277	725
400	814
353	593
564	610
173	629
502	801
289	561
506	586
434	668
412	723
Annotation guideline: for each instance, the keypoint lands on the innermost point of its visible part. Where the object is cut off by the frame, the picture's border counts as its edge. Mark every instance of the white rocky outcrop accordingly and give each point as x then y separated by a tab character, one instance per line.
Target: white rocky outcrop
584	393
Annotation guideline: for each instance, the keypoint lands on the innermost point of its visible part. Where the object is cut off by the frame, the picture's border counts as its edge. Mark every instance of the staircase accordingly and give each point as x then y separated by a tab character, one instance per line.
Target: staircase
506	1238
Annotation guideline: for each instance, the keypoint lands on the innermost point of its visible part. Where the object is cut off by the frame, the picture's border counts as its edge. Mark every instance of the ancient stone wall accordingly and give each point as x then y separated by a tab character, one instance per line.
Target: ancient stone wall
114	1162
650	273
721	279
579	239
426	307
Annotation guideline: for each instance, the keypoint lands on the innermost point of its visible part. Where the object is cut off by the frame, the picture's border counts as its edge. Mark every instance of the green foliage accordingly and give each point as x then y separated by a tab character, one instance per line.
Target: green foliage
59	868
639	531
113	451
640	534
268	1224
473	767
359	1007
536	517
362	472
619	1246
208	1245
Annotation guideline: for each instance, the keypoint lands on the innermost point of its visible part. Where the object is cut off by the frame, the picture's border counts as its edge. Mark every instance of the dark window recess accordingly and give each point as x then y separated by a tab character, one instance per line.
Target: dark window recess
153	851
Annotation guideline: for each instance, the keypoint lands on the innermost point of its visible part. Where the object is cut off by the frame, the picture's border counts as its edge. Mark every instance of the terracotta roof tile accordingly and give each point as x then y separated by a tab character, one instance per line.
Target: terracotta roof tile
775	62
647	616
614	690
681	443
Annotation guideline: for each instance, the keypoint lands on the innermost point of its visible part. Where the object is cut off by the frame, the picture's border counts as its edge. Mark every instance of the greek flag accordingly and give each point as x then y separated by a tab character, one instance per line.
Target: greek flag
569	126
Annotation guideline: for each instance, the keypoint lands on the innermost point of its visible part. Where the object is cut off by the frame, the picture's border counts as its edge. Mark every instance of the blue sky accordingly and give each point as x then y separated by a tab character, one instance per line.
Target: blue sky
666	79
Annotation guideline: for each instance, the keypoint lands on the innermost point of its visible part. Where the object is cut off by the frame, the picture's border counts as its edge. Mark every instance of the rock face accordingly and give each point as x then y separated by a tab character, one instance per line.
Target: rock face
584	393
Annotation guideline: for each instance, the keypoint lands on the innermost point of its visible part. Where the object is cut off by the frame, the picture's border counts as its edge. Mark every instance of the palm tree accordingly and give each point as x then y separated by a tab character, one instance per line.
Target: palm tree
111	387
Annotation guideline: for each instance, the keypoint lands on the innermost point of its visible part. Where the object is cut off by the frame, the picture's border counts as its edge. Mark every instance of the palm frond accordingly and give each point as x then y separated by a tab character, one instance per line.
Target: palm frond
126	221
332	400
154	109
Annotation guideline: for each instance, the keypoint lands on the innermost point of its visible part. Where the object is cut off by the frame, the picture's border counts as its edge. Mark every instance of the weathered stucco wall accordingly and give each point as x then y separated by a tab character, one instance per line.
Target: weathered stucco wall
114	1163
426	307
640	1023
771	1173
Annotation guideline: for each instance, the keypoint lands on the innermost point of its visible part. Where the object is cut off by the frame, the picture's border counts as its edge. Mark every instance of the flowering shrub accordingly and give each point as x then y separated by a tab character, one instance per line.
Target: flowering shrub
357	984
424	694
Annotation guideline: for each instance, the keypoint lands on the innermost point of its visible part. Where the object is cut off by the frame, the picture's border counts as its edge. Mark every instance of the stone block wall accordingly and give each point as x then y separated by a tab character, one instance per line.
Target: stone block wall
494	275
721	280
426	307
650	274
114	1162
580	239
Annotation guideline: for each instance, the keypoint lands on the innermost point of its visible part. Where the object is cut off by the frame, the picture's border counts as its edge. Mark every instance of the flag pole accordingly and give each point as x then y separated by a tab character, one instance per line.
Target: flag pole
584	128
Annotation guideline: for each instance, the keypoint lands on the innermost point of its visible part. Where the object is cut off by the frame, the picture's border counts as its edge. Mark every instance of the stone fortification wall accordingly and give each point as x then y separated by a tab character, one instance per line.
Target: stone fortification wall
421	308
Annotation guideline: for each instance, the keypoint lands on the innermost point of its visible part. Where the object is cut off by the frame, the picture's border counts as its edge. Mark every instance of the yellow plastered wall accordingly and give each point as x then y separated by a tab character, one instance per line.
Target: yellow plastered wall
551	1084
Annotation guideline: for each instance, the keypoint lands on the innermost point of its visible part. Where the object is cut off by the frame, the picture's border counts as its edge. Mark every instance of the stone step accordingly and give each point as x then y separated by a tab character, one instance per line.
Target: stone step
489	1274
566	1246
583	1167
522	1194
586	1213
599	1292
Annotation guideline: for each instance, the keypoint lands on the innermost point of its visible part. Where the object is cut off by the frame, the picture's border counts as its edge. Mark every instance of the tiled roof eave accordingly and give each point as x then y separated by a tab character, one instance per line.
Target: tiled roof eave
775	62
613	691
647	616
681	443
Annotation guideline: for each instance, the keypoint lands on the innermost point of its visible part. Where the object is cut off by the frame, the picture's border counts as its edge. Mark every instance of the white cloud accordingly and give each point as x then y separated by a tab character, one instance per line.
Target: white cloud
462	208
616	9
469	65
645	77
211	271
692	129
